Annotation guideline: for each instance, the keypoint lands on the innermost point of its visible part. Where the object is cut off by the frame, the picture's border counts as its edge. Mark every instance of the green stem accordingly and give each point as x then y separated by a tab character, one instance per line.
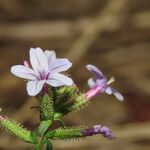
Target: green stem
43	141
49	145
40	145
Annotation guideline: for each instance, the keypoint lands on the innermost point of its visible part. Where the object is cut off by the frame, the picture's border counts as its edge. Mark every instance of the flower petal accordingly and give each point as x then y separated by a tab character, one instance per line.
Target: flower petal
91	83
97	74
38	60
118	95
102	84
23	72
34	87
109	90
58	79
51	57
61	64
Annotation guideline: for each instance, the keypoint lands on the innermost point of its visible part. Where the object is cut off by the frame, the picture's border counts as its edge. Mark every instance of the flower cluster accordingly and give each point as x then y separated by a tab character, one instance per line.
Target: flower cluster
58	96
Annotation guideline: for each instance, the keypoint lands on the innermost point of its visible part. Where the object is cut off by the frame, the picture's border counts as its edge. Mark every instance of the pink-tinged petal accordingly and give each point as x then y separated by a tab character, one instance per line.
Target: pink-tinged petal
91	83
26	63
38	60
51	57
34	87
109	90
58	79
61	64
118	95
92	92
23	72
97	74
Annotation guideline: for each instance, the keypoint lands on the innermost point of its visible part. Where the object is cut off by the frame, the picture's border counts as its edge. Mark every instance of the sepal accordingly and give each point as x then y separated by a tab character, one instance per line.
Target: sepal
65	133
18	130
63	97
68	99
80	103
46	106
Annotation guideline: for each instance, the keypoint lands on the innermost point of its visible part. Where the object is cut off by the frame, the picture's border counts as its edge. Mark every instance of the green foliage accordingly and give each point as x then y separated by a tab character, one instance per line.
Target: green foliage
53	105
18	130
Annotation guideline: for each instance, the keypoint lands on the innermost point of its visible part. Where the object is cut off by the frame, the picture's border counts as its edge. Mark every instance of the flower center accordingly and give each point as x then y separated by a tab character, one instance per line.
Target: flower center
43	75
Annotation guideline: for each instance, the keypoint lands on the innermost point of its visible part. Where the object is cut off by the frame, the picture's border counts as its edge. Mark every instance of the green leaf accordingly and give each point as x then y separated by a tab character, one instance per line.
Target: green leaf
57	115
44	125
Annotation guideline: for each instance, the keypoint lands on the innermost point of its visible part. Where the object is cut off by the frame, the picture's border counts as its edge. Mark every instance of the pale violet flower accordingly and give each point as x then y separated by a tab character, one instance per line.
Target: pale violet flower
45	70
98	83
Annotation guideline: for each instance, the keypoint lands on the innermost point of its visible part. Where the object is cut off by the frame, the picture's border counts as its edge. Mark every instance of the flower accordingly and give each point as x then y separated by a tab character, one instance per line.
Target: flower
98	83
45	70
98	129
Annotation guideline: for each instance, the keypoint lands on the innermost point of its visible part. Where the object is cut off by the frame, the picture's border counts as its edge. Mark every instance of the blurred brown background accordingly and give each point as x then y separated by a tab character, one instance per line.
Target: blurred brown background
114	35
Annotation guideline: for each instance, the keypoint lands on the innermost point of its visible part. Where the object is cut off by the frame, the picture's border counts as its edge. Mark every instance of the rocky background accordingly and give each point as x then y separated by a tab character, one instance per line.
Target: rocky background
114	35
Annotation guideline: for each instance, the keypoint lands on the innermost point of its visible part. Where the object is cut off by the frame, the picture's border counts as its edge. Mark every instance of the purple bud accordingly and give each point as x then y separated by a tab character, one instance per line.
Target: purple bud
98	129
105	131
88	132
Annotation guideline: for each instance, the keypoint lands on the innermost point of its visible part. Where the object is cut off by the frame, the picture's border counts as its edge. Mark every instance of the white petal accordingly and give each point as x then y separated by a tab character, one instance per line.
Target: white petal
38	59
51	57
118	95
61	65
108	90
34	87
58	79
91	83
23	72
